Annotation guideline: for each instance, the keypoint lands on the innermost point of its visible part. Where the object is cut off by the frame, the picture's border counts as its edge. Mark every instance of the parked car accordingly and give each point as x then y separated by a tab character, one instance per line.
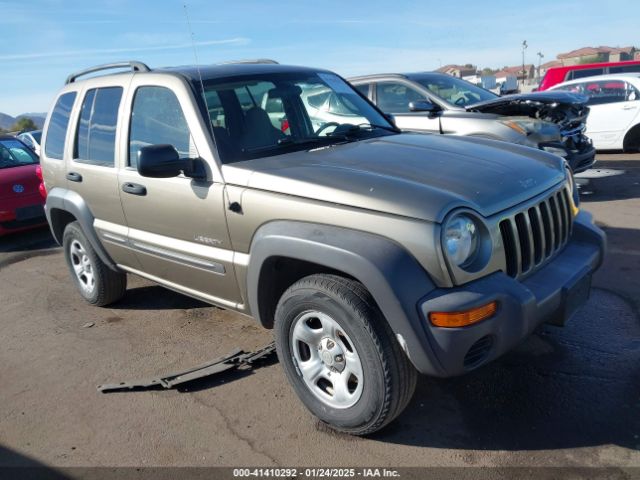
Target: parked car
614	103
439	103
556	75
21	204
32	140
373	254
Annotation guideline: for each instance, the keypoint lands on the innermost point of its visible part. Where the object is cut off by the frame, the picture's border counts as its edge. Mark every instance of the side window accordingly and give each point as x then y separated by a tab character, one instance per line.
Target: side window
363	89
583	73
395	97
58	124
606	91
96	133
157	118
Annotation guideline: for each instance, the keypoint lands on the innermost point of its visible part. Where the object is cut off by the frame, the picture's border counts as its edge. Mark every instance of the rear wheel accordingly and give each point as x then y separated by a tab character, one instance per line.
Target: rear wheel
96	282
631	141
340	355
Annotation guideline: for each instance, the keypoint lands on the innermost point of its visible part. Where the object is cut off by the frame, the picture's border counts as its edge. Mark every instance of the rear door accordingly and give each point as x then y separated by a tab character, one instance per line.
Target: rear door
91	172
177	226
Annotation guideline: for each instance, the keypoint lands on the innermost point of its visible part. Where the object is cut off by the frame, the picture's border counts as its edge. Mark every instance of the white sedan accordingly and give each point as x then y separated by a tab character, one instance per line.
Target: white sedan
614	102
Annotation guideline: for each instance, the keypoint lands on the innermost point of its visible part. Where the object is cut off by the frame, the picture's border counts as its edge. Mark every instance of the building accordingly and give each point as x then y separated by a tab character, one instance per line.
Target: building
527	75
597	54
459	70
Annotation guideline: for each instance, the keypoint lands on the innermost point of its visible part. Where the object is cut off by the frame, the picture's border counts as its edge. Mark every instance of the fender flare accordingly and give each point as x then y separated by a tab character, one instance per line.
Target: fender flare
392	275
72	203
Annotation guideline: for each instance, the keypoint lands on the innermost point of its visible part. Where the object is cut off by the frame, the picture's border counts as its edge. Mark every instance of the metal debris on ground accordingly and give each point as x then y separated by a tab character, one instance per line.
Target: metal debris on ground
234	360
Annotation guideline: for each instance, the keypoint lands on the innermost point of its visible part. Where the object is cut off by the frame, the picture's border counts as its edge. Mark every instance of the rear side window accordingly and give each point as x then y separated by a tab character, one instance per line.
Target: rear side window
583	73
625	69
96	134
58	124
157	118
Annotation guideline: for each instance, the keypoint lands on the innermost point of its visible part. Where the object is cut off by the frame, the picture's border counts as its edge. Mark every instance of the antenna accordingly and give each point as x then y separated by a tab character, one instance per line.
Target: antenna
195	55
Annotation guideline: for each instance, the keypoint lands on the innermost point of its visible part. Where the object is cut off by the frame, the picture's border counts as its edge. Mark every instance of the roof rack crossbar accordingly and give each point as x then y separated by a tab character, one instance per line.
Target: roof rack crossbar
135	67
251	61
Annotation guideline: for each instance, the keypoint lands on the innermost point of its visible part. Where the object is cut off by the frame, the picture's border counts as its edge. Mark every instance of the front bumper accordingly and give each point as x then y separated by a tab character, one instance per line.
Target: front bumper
581	160
549	295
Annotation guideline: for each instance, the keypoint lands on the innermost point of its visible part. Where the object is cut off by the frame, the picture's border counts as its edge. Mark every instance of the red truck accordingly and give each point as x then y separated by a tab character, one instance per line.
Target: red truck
556	75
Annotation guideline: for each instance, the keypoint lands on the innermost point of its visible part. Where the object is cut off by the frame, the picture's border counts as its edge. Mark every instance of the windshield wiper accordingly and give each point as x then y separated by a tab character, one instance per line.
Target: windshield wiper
289	141
355	129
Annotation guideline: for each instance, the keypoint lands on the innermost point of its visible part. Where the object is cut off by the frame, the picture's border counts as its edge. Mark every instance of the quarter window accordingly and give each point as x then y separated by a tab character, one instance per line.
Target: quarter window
363	89
58	124
96	134
157	118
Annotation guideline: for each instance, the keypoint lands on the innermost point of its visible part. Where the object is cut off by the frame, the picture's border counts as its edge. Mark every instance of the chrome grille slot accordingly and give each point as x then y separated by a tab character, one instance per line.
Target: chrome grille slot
532	236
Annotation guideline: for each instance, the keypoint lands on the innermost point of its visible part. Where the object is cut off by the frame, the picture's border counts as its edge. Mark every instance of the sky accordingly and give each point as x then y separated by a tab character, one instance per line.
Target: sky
43	41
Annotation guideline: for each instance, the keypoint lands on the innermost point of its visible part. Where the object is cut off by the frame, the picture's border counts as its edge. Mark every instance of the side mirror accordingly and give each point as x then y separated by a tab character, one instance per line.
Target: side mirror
160	161
424	106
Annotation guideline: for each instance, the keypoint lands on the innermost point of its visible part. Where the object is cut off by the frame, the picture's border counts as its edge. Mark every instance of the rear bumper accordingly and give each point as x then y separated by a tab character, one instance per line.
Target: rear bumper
24	213
550	295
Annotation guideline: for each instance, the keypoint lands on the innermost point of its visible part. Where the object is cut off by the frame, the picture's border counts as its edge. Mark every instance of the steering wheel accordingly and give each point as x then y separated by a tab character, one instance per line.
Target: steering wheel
461	101
325	126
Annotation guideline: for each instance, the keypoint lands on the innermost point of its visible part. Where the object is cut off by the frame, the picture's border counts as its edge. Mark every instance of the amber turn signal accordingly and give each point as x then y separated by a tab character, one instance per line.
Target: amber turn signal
462	319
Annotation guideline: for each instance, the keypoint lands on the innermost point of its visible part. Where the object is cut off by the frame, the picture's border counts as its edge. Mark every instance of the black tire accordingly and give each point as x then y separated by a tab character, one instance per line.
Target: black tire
108	286
389	377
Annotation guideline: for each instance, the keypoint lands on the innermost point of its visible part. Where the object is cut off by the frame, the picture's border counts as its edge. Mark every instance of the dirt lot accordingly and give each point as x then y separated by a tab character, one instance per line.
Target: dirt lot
566	397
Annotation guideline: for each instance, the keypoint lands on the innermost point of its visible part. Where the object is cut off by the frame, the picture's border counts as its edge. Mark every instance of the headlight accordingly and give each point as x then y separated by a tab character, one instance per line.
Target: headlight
561	152
525	127
461	239
575	195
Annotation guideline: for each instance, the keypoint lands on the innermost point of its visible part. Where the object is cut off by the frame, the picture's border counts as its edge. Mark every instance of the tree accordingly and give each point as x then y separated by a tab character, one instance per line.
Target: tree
24	124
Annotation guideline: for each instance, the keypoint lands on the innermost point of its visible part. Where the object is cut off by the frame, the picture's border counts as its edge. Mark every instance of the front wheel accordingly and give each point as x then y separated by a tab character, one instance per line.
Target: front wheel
341	356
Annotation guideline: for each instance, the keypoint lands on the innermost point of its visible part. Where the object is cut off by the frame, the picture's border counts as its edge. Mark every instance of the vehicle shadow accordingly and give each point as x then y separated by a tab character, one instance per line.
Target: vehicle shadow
567	387
37	239
16	465
611	180
156	297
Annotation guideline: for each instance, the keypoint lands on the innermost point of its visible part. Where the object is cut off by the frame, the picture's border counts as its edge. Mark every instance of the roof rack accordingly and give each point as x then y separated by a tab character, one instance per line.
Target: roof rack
252	61
135	67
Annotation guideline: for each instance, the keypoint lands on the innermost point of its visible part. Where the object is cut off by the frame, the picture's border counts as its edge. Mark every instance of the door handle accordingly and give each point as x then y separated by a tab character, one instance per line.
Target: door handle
134	189
629	107
74	177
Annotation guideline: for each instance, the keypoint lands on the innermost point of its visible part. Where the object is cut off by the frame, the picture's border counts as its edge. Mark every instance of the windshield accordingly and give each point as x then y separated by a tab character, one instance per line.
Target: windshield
14	153
452	90
270	114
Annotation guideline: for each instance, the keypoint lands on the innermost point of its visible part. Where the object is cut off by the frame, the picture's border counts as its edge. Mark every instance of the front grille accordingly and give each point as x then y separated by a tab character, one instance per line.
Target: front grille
533	236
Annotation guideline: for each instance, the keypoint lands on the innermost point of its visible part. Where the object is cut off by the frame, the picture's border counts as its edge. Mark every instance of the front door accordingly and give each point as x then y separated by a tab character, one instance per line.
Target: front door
177	226
394	97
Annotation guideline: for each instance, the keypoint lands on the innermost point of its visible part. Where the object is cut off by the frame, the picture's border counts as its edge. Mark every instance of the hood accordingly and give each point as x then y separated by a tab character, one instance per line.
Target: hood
567	109
413	175
22	178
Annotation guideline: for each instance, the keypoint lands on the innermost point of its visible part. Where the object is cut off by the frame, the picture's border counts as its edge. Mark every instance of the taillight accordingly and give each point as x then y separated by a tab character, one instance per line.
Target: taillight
41	188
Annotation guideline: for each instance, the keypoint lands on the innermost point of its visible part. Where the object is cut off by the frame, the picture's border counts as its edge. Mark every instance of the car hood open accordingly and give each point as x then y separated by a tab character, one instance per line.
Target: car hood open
564	108
413	175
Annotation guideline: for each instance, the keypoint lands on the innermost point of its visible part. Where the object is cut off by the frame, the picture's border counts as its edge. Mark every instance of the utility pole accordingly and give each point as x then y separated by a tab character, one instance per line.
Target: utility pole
540	57
524	47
